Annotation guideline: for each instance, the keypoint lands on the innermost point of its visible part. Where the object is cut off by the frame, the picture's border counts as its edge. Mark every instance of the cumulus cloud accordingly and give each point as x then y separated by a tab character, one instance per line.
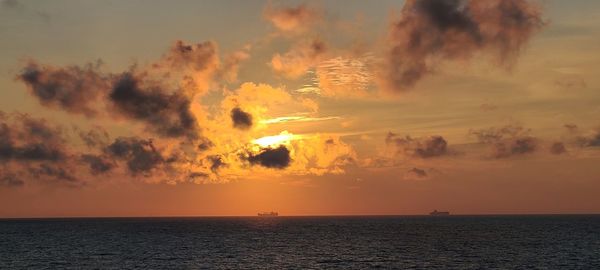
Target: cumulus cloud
55	172
94	138
299	59
23	138
276	158
241	119
197	57
167	114
507	141
73	89
216	162
140	155
429	32
32	148
292	19
426	147
228	70
10	180
558	148
591	140
98	164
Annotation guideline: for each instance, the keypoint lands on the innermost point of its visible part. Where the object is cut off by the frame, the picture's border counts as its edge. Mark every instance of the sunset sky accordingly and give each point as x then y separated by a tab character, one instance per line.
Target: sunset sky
185	108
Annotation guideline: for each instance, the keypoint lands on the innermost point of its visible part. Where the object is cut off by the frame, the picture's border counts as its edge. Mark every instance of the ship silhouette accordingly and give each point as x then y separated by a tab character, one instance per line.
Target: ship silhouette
439	213
268	214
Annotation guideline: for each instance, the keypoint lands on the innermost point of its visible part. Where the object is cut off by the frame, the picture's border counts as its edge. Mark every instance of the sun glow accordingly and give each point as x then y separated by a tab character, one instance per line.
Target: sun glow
283	138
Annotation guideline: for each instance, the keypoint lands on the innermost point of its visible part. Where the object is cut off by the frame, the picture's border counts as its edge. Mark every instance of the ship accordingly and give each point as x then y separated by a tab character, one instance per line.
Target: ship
439	213
268	214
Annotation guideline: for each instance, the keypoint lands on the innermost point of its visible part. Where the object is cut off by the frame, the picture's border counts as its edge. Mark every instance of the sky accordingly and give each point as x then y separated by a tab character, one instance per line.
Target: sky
223	108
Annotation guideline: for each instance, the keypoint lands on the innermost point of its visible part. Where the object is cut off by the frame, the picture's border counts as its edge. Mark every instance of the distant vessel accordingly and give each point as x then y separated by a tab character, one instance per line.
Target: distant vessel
438	213
268	214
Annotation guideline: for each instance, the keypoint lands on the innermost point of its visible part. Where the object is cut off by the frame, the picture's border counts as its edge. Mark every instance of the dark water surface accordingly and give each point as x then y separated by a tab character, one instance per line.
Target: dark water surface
468	242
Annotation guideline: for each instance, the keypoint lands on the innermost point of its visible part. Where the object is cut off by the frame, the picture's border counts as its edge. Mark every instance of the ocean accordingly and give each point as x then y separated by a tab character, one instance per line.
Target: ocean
386	242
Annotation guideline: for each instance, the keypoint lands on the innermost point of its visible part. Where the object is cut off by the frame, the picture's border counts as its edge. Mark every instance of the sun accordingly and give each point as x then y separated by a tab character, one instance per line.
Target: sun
283	138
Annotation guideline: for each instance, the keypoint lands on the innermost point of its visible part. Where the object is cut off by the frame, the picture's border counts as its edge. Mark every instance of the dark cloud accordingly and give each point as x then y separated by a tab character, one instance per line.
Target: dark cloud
558	148
276	158
592	140
10	180
98	164
140	155
23	138
431	31
195	175
73	89
216	162
197	57
416	173
427	147
94	138
166	114
56	172
205	144
241	119
581	138
507	141
32	147
571	127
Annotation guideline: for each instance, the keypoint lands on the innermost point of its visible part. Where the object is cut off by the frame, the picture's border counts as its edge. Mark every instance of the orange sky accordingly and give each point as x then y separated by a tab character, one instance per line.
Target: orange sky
305	108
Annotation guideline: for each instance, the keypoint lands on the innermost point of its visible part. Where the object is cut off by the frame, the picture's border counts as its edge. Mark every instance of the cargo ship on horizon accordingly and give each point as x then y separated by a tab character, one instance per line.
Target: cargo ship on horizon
439	213
268	214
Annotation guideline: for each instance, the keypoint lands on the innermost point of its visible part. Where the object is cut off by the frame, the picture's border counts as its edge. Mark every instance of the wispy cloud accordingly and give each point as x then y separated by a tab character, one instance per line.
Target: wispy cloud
287	119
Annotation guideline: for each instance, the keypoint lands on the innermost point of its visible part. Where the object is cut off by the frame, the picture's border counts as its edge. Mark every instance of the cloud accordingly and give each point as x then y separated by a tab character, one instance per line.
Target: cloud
10	180
23	138
32	148
241	120
216	162
55	172
426	147
231	65
167	114
73	89
299	59
429	32
571	128
93	138
204	144
558	148
583	138
276	158
591	140
140	155
197	57
292	19
416	174
507	141
98	164
344	76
